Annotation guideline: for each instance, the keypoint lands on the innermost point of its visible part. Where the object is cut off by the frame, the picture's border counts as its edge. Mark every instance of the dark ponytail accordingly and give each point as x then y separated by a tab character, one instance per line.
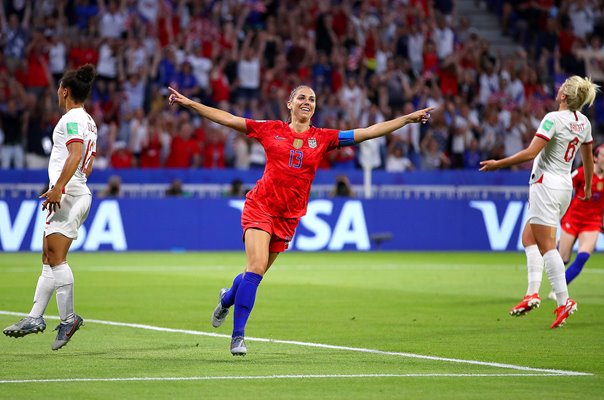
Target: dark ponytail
79	82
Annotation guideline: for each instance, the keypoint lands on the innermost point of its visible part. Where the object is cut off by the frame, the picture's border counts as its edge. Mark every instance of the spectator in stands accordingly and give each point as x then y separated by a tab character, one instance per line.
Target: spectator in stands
492	132
186	80
39	132
82	51
107	65
472	156
184	149
213	151
200	67
14	35
57	54
248	72
121	157
139	133
113	17
13	126
241	153
432	157
396	160
444	38
593	57
583	18
152	145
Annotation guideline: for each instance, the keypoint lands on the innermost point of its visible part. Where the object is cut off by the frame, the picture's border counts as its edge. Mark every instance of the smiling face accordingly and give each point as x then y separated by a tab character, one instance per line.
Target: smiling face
302	104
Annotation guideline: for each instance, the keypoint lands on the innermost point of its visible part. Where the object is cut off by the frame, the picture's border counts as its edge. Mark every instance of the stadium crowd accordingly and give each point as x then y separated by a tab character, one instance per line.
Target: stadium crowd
368	61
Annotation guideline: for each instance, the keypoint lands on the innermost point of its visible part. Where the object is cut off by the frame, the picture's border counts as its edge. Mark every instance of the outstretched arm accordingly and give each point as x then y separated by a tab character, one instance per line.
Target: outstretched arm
525	155
386	127
211	113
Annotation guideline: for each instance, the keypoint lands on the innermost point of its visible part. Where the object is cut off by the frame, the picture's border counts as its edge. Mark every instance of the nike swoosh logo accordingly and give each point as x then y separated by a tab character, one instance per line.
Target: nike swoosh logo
279	137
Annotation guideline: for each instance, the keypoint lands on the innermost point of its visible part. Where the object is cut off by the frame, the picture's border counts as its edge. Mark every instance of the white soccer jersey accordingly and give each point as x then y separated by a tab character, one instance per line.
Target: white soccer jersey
565	132
75	126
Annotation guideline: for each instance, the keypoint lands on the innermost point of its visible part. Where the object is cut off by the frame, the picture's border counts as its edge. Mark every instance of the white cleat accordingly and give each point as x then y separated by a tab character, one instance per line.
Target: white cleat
220	313
238	346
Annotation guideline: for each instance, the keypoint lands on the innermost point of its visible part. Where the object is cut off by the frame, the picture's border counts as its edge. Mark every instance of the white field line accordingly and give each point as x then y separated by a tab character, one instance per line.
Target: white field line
257	377
328	346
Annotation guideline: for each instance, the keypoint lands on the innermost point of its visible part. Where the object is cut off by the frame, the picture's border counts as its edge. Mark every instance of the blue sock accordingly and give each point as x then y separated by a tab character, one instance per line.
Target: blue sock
229	298
244	301
575	268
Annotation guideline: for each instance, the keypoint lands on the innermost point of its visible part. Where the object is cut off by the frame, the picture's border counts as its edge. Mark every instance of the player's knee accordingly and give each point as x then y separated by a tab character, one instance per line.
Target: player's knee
257	268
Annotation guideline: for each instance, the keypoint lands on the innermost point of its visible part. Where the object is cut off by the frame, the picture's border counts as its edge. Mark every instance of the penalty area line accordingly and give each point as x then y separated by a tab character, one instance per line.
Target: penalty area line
260	377
328	346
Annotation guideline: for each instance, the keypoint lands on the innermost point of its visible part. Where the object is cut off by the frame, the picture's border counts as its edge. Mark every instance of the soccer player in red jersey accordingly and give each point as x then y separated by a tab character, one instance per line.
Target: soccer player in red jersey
583	220
274	207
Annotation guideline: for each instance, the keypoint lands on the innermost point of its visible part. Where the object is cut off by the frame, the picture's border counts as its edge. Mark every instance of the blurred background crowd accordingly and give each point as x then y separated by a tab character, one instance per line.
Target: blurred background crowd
367	61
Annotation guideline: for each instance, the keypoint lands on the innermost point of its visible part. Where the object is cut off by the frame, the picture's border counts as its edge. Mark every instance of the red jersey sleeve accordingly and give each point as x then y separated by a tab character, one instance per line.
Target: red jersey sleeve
258	129
332	138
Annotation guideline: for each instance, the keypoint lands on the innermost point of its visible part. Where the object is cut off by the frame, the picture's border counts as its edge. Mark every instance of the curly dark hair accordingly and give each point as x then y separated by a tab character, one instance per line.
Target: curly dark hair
79	82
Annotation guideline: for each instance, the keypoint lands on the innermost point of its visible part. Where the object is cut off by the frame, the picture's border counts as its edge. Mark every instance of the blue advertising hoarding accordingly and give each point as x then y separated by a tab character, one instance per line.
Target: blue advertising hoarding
340	224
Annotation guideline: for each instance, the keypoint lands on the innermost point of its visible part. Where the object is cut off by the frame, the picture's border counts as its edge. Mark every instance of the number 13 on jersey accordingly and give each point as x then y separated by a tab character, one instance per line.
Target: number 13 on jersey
295	158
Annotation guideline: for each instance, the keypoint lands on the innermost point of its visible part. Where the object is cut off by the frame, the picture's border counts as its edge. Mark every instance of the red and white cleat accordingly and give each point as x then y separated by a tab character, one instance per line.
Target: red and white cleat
529	302
563	312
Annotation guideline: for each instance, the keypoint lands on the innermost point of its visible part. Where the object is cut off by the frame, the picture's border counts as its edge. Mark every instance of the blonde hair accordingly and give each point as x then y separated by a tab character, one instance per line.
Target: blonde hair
579	92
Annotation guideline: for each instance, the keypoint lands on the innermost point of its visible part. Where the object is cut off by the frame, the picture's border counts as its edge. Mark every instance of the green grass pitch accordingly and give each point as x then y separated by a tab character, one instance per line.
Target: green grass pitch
429	326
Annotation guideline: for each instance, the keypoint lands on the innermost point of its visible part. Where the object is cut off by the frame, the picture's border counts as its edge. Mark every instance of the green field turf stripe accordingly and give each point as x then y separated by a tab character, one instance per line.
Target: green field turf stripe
328	346
210	378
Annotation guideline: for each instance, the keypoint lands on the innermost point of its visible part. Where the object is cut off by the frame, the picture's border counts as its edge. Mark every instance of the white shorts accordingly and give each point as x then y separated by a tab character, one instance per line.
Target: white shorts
68	219
546	205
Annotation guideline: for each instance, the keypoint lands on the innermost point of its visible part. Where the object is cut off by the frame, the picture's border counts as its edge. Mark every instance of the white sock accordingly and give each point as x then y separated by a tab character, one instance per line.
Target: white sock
44	289
64	287
554	267
534	265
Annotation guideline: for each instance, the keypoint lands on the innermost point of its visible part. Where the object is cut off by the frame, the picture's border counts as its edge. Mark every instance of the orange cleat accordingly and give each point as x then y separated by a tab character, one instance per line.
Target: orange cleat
529	302
563	312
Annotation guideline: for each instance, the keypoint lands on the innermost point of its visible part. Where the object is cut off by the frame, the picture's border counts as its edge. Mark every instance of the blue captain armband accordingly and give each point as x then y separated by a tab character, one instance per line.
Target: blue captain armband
346	138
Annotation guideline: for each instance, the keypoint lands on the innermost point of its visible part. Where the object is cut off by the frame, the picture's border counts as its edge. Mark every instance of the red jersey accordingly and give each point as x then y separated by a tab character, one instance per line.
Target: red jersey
292	160
587	210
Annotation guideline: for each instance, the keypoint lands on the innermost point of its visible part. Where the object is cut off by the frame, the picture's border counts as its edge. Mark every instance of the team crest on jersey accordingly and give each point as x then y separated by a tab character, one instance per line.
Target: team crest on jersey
600	185
312	142
298	143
